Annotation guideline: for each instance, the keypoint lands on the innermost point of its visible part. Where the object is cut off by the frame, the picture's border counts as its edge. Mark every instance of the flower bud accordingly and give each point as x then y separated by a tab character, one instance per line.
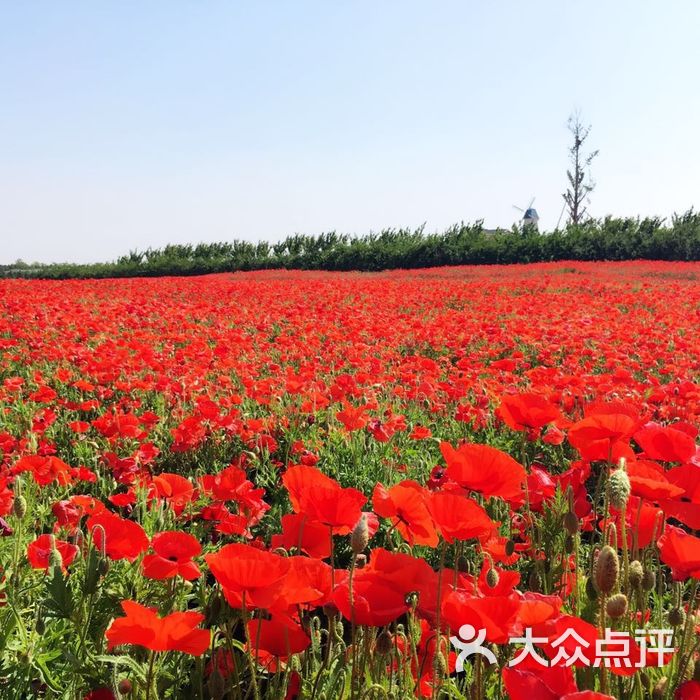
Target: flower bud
19	507
360	561
55	559
676	616
606	570
569	544
648	580
616	607
360	535
619	489
384	643
216	685
571	522
124	687
659	691
510	548
492	578
636	572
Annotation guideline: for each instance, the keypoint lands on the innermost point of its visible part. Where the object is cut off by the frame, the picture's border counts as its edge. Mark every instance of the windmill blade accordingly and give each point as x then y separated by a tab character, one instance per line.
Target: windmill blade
518	208
532	201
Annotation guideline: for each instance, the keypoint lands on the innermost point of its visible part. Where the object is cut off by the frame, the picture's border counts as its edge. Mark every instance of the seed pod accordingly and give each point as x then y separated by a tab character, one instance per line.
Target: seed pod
19	507
510	548
492	578
676	616
360	535
619	489
636	572
648	580
569	544
124	687
606	570
616	607
384	643
571	522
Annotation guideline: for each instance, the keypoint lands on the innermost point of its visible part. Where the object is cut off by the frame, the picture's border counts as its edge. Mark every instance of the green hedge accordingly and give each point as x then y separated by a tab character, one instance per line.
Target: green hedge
605	239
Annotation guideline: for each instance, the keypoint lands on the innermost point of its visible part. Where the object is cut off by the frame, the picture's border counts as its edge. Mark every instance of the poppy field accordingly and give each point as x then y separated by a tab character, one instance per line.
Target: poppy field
305	485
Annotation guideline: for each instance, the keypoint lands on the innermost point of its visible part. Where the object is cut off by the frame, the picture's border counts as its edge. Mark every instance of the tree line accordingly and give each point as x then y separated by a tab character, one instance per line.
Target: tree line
610	238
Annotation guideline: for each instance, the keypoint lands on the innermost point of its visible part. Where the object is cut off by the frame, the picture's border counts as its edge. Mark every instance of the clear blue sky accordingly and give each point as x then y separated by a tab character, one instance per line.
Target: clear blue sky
132	124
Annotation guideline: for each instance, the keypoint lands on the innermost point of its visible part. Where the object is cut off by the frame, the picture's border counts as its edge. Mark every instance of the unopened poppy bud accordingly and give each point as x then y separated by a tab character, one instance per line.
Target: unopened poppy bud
19	507
462	564
40	626
492	578
439	663
591	591
384	643
360	561
510	548
103	566
616	607
360	535
571	522
216	685
124	687
569	544
606	570
635	573
676	616
55	559
619	489
648	580
659	691
696	671
330	609
534	581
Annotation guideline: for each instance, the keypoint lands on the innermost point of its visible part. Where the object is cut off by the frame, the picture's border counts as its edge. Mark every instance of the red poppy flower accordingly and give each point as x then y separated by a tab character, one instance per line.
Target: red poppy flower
142	627
529	680
375	602
681	552
497	614
485	469
323	499
39	551
175	490
460	518
308	536
524	411
117	537
173	556
353	418
604	436
279	636
406	504
665	443
308	582
246	572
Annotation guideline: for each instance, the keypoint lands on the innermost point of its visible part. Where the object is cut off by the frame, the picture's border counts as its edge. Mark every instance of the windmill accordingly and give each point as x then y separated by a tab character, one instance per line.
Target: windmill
530	215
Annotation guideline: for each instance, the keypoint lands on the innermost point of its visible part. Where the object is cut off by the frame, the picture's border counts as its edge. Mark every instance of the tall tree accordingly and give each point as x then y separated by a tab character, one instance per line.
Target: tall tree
580	182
